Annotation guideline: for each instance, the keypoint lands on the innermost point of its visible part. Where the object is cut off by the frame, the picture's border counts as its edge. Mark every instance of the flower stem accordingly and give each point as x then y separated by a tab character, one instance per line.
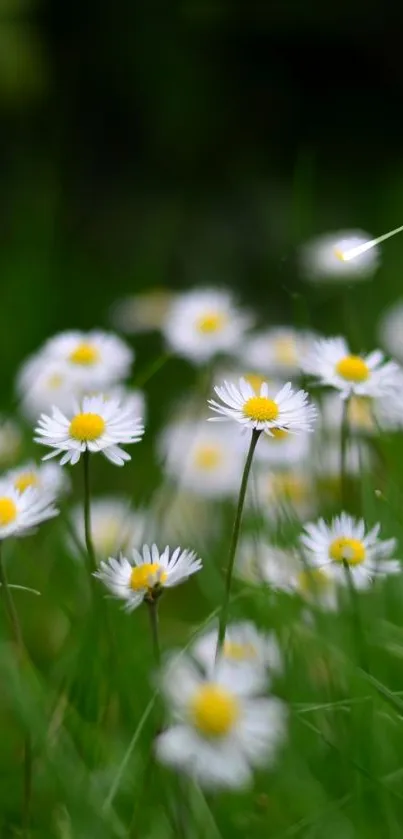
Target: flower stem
16	629
358	630
87	513
343	453
234	540
152	606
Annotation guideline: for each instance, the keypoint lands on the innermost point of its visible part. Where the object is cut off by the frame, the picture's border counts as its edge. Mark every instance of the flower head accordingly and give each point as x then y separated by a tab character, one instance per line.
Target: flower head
223	727
115	526
48	477
347	543
147	573
97	425
333	364
285	493
93	359
142	312
22	511
287	410
277	351
243	646
323	259
200	324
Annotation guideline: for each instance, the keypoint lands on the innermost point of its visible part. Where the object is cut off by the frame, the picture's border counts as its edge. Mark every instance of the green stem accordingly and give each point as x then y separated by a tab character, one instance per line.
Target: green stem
87	513
16	629
234	540
152	606
343	454
358	630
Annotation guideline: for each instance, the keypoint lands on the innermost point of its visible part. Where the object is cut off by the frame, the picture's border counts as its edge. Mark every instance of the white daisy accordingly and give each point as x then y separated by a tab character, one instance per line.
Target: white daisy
277	351
222	728
147	573
10	441
284	493
20	512
326	459
390	330
144	312
115	526
282	449
95	359
97	425
322	259
42	384
202	458
244	646
48	477
202	323
288	410
332	363
345	541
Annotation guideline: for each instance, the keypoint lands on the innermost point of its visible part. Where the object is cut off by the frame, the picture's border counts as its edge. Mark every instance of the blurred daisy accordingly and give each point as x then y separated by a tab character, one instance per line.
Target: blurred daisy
366	416
277	351
323	258
285	493
288	410
283	449
115	526
48	477
94	359
222	728
332	363
20	512
202	458
243	646
202	323
147	573
43	384
10	441
97	425
345	542
326	459
142	312
390	329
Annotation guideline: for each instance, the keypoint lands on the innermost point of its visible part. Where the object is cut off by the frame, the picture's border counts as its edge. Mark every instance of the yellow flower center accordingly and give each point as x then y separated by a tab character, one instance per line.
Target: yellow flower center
261	409
55	381
84	354
86	427
288	487
279	433
207	457
309	582
142	575
285	351
8	511
347	550
352	368
25	480
255	381
214	710
238	652
339	254
360	413
210	322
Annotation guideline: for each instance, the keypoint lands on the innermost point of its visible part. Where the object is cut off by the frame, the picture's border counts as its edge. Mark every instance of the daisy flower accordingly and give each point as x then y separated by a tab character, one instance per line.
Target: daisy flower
97	425
332	363
94	359
322	258
390	330
202	458
147	573
285	492
243	646
10	441
20	512
287	410
202	323
42	384
115	526
282	449
144	312
346	542
223	727
277	351
47	477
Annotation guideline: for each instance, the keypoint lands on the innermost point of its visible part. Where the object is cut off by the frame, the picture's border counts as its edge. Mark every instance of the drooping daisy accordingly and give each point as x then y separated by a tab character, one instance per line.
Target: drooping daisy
144	312
115	526
222	728
287	410
322	259
97	425
285	493
390	330
147	573
203	458
10	441
20	512
345	542
95	359
277	351
332	363
243	645
202	323
48	477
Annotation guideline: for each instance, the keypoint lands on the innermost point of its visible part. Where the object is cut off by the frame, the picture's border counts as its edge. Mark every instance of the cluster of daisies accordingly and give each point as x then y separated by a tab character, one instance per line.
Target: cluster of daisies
224	717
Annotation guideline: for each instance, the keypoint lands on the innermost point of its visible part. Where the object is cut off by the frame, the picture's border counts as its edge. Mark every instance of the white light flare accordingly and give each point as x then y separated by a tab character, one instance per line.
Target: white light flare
352	253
